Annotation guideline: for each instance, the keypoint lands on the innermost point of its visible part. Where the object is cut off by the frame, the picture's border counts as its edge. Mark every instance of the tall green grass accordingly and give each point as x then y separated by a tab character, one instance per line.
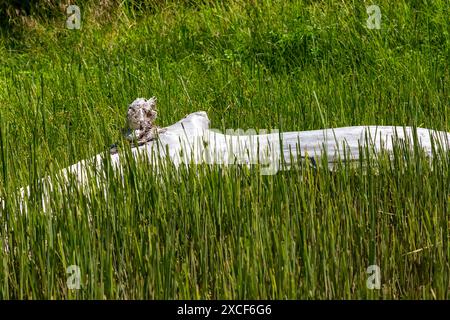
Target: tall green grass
211	232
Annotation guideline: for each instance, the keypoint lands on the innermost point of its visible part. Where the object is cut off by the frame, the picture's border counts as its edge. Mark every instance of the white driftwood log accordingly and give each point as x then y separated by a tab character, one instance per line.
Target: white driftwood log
191	141
200	144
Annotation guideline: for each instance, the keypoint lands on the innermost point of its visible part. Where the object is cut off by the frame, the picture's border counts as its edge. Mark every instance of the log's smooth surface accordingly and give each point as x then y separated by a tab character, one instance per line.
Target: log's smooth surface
192	141
200	144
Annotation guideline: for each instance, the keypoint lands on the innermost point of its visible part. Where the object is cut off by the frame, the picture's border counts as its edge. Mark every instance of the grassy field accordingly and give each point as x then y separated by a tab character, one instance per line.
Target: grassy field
227	233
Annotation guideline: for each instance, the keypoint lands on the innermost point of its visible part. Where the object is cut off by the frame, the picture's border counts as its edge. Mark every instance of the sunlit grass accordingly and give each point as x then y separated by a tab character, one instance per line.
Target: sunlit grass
215	232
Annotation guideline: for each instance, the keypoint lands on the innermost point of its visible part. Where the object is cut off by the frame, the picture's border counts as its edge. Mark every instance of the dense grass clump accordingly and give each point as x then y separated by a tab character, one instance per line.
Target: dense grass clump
214	232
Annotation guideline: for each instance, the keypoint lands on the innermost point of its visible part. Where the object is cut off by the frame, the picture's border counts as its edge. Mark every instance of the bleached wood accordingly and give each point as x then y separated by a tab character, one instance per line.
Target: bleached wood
200	144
